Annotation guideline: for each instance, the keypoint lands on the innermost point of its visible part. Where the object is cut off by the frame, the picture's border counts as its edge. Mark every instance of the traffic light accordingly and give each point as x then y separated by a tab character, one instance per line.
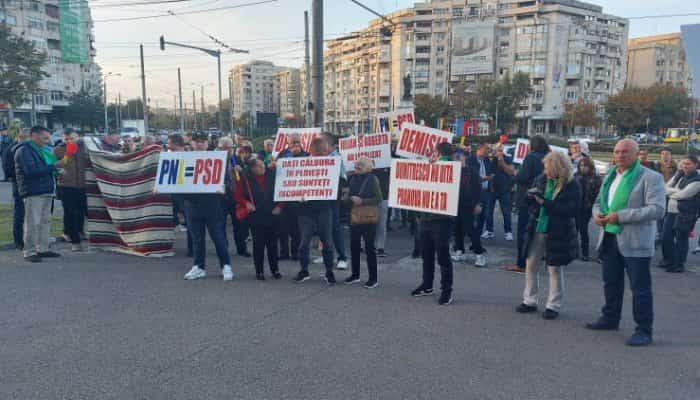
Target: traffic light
162	43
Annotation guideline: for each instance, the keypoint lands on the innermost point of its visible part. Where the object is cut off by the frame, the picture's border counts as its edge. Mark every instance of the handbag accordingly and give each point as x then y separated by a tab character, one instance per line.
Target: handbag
242	209
366	214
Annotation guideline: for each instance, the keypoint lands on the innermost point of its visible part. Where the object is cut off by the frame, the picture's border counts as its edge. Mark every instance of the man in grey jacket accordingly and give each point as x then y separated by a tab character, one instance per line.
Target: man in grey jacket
630	202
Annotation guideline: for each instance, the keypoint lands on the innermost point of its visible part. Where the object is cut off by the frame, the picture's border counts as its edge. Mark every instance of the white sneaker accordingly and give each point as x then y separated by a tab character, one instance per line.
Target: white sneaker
76	248
488	235
342	264
195	273
181	228
227	273
480	261
318	260
697	250
509	236
457	256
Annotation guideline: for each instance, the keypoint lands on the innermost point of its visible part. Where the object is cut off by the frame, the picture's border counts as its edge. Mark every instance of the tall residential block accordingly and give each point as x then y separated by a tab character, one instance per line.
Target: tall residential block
658	59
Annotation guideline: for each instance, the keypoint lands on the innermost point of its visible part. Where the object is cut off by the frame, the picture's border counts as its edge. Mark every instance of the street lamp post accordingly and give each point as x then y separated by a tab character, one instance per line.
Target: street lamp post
104	94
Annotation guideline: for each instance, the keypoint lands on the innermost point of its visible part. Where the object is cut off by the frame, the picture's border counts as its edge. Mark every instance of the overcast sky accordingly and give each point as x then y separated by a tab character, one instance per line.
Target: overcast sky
272	31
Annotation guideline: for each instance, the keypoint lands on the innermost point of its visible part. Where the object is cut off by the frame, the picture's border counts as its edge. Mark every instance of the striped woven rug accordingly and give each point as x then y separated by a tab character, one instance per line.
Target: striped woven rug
123	214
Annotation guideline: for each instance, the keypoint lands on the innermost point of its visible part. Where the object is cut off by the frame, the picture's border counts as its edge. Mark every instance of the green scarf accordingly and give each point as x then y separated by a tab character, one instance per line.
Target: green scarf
46	154
543	220
622	194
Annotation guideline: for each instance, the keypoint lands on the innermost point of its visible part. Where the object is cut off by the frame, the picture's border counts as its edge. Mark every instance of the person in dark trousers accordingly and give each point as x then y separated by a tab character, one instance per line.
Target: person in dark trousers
289	231
551	232
383	175
500	187
8	164
364	190
36	169
683	192
469	208
530	169
315	218
176	142
631	200
71	186
590	183
207	212
435	232
240	228
485	169
257	191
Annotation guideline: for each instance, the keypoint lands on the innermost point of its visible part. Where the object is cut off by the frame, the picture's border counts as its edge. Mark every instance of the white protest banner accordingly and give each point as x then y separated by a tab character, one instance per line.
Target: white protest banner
393	121
522	148
308	178
420	185
376	147
305	134
418	141
191	172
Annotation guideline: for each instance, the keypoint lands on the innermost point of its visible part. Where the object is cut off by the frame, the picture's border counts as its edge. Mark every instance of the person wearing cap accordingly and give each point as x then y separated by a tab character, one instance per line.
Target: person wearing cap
206	211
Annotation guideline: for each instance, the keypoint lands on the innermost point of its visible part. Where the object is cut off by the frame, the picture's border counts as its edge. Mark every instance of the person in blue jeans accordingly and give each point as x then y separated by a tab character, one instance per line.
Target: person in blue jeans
501	185
206	212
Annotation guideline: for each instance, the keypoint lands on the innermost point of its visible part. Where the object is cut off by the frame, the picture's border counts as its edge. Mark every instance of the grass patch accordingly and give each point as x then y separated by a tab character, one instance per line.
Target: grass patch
6	211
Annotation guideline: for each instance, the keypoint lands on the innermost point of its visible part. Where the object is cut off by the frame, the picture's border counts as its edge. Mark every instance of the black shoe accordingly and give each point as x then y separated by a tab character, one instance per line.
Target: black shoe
329	278
260	277
33	259
638	339
603	325
525	309
246	254
550	314
676	269
351	280
421	291
276	275
445	298
48	254
302	276
381	253
371	284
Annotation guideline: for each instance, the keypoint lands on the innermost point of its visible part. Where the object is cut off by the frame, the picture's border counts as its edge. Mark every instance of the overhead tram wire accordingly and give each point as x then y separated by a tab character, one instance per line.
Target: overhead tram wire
250	4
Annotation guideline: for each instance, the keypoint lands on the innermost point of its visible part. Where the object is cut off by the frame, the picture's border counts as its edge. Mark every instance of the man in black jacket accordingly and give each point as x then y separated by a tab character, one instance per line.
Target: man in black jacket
36	169
530	169
8	165
469	208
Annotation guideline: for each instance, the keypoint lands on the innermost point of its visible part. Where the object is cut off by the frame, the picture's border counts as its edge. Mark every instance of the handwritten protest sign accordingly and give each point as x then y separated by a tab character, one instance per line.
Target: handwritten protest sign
522	148
393	121
376	147
418	141
419	185
305	134
308	178
191	172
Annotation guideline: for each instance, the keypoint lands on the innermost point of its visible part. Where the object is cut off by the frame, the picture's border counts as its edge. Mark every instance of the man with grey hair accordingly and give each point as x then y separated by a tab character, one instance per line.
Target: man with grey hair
266	153
630	202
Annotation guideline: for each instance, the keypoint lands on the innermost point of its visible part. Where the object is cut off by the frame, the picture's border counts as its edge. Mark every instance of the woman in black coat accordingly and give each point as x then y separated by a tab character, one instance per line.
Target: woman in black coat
257	191
554	200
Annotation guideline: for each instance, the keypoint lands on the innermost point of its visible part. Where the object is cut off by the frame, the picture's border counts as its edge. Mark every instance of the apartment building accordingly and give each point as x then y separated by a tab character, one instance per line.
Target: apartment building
658	59
64	30
571	51
252	88
288	92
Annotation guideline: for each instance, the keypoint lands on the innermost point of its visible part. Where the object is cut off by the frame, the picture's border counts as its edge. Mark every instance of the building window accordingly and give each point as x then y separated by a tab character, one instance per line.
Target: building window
35	23
440	61
422	85
52	26
8	18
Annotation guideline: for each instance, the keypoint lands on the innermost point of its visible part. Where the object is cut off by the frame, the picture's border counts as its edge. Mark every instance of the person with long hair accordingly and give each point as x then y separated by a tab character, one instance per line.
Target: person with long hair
590	183
551	232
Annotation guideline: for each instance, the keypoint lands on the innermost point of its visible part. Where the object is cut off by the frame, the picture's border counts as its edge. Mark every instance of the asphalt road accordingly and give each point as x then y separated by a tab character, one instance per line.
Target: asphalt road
106	326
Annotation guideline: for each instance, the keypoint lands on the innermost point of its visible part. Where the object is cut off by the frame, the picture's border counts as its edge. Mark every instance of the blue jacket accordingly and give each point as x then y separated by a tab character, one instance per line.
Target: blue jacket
33	176
531	168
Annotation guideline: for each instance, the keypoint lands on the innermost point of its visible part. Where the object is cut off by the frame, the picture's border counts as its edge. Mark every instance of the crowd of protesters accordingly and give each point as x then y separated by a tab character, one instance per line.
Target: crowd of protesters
555	196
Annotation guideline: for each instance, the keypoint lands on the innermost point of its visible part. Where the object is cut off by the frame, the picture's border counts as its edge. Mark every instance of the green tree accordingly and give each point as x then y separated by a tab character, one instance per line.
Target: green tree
20	67
580	114
669	107
505	95
431	108
629	109
84	110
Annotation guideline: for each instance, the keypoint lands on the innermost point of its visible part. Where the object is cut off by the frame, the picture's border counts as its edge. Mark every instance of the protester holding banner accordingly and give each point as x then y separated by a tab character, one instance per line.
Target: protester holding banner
435	232
239	165
483	165
315	217
501	186
363	197
176	143
470	187
206	211
554	201
254	194
530	169
590	182
110	142
290	227
71	186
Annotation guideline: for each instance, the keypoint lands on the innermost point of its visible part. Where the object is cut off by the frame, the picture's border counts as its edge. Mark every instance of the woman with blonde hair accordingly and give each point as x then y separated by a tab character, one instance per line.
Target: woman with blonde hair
554	201
364	197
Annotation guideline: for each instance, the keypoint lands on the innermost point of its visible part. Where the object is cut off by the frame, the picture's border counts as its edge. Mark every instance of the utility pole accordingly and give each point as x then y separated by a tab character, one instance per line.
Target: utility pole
317	74
307	72
119	113
144	99
182	115
201	98
194	110
104	96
